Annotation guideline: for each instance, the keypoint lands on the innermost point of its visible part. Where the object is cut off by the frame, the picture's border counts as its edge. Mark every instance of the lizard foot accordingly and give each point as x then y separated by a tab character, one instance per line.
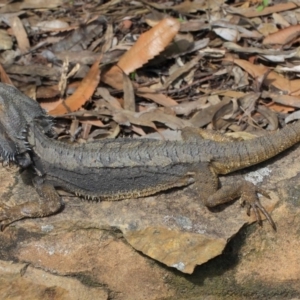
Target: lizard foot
10	214
251	201
247	192
48	204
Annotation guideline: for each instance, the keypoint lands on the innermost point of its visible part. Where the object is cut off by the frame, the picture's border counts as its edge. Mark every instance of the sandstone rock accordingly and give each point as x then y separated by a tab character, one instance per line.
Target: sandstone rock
85	243
20	281
174	228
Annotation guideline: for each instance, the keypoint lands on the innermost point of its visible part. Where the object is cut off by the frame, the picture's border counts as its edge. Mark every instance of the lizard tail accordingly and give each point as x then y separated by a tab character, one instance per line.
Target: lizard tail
239	155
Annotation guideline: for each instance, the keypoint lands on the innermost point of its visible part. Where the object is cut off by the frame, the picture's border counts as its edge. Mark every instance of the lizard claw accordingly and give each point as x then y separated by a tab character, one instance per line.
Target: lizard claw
247	192
252	202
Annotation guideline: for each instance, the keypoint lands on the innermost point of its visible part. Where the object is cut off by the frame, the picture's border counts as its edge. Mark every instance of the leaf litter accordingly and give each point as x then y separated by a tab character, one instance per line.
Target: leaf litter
142	68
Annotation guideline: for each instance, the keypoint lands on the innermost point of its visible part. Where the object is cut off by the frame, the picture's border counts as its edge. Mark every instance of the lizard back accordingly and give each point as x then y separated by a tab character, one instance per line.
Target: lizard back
116	169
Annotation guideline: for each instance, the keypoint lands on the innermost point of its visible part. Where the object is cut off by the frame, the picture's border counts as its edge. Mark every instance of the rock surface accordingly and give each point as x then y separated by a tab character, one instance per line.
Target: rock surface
83	247
174	228
20	281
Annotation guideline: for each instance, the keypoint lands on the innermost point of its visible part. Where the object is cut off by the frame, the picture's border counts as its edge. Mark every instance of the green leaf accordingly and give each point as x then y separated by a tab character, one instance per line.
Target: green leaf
265	3
260	8
132	75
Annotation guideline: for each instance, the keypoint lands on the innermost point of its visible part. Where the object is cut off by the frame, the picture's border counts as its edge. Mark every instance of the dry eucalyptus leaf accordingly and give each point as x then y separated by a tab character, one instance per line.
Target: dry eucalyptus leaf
187	67
287	100
6	40
20	34
292	117
170	121
82	36
125	117
149	44
82	93
129	99
30	4
227	34
193	25
157	97
186	108
52	24
283	36
4	77
269	115
275	55
104	93
189	6
252	12
281	83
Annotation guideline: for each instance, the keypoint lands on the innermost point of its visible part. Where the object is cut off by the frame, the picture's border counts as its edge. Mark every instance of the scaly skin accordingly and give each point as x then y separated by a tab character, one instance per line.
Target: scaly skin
129	168
16	111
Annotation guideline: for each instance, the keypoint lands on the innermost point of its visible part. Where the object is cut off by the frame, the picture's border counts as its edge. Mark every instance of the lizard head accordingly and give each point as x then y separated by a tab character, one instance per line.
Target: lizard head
16	112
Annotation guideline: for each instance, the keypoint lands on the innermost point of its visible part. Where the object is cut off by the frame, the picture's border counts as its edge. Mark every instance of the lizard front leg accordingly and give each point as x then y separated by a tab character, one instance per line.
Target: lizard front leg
49	203
206	182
